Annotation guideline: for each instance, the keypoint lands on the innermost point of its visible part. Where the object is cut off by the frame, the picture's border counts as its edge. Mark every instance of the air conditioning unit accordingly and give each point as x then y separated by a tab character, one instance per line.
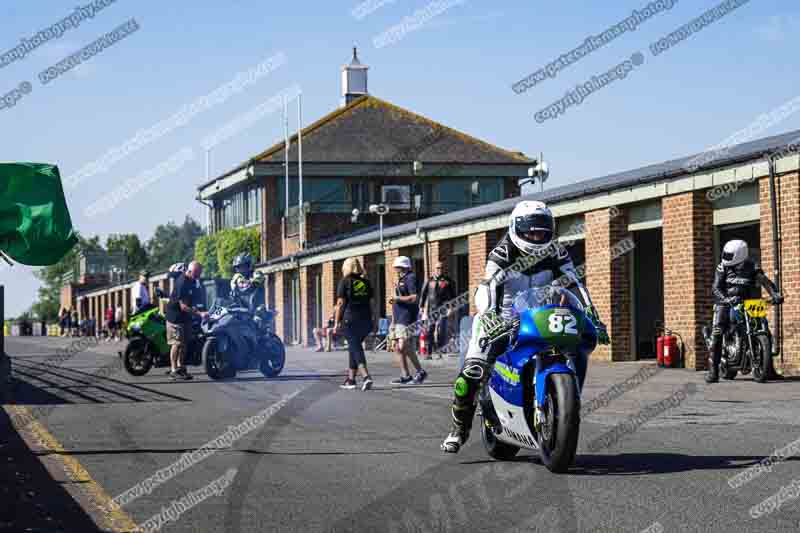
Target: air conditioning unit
397	197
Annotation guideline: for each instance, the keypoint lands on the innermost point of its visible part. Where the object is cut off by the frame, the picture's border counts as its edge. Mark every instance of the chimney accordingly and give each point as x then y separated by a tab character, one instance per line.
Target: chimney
354	80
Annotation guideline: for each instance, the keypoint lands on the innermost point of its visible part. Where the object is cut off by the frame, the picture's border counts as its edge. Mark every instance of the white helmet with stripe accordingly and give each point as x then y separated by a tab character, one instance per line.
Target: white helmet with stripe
734	253
531	226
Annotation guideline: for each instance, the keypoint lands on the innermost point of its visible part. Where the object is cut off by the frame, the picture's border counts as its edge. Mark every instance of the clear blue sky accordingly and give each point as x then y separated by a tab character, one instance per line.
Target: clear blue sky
457	69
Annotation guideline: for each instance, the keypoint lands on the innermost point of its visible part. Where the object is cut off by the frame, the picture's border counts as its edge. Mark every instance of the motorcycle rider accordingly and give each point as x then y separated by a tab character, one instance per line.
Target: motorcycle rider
527	256
244	283
737	276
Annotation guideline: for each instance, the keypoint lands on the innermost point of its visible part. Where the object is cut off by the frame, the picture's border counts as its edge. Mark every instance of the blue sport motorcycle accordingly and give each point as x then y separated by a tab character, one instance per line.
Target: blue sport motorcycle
238	338
533	398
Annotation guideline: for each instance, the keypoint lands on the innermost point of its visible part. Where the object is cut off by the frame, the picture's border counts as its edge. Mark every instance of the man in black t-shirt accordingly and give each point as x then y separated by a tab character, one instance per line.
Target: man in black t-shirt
405	310
179	313
439	290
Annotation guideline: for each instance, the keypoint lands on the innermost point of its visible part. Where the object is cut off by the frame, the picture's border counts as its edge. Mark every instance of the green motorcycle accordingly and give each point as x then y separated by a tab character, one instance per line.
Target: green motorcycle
147	342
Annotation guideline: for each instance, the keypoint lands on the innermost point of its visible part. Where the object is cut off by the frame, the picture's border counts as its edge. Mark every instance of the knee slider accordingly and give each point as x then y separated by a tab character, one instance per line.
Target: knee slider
474	370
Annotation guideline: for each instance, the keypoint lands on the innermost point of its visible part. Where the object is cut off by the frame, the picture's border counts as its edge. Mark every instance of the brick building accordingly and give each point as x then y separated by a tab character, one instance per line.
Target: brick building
649	238
366	152
675	221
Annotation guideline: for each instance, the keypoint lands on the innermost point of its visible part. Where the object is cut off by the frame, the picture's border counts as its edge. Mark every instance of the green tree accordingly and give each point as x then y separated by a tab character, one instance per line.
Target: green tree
232	242
130	244
205	251
173	244
49	302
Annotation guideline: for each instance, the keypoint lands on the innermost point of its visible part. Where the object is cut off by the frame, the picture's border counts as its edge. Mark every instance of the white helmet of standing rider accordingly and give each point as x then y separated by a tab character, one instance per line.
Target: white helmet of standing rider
734	253
531	227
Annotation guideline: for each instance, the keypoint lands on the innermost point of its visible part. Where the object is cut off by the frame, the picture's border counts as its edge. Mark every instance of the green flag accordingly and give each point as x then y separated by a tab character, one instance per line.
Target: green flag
35	226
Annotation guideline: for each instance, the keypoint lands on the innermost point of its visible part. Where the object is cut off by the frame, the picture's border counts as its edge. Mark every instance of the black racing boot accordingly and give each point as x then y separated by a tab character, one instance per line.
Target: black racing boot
713	374
716	357
459	434
772	374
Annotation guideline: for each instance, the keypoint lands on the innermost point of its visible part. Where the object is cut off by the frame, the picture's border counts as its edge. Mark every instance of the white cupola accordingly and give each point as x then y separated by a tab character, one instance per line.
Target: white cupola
354	80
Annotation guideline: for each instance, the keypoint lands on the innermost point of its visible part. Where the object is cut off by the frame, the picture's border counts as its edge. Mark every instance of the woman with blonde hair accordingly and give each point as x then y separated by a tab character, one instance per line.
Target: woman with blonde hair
353	310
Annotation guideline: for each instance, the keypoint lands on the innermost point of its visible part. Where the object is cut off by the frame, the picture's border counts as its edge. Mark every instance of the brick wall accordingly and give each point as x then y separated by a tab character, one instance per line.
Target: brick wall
307	302
371	268
438	251
328	289
271	236
608	280
688	270
389	257
281	324
788	192
478	247
67	296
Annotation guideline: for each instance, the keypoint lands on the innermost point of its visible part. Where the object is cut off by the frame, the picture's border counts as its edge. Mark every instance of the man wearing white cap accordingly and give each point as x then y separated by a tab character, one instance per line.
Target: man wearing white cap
405	309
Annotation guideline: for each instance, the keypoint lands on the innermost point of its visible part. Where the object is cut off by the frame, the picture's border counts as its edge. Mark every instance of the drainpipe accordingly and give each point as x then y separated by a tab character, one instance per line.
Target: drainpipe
210	214
773	201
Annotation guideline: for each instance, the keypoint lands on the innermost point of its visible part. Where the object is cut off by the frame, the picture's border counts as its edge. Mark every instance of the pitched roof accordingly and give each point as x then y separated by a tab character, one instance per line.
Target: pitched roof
371	130
659	172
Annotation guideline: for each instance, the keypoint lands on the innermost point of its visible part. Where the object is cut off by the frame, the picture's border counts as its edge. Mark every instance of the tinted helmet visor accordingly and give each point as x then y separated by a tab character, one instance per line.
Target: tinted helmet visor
537	229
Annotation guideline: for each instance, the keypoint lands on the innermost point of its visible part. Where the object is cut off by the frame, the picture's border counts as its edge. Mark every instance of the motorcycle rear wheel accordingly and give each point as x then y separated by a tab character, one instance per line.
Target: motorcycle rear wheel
137	359
558	439
727	373
495	448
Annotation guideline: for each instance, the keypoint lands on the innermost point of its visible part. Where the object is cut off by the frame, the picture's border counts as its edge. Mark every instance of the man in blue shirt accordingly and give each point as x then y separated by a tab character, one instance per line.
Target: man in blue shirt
179	313
405	310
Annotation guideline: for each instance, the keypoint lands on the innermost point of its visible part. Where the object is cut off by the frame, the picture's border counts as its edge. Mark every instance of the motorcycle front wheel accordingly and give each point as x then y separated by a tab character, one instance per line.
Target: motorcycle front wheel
558	438
761	358
272	364
137	359
215	362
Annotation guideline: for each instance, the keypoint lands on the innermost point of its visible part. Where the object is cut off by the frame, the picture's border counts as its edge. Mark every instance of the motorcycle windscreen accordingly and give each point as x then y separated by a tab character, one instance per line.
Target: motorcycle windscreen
561	326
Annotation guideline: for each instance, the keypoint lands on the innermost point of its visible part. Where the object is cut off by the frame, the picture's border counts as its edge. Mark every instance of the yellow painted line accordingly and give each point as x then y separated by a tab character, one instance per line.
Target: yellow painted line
118	521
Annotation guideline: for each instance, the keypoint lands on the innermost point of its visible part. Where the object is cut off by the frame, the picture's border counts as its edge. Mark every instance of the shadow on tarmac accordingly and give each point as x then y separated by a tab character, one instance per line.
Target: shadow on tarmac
174	451
30	498
41	384
638	464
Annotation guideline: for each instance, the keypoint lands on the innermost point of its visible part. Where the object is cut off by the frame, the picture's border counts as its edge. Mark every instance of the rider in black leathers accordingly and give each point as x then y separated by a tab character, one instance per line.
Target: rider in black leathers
246	284
737	277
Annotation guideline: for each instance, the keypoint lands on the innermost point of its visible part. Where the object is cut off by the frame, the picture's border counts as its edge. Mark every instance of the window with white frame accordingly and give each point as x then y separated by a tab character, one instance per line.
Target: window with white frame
241	208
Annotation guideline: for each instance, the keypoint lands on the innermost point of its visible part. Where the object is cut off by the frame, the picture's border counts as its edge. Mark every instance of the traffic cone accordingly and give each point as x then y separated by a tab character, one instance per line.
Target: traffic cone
423	344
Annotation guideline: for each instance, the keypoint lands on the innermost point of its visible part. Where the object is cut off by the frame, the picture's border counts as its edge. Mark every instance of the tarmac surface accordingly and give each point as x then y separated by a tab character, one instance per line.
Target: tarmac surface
300	454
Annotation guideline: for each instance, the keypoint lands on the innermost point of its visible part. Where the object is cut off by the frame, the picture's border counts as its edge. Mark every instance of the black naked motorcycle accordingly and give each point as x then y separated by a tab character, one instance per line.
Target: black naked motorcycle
747	342
238	338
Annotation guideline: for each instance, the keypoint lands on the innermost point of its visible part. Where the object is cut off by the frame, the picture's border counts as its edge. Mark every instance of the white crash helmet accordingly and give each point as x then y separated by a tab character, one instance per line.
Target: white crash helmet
527	217
177	269
734	253
402	262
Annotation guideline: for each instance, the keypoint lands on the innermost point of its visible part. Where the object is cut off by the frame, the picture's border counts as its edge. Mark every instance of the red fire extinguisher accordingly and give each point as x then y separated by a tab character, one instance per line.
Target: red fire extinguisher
423	345
669	353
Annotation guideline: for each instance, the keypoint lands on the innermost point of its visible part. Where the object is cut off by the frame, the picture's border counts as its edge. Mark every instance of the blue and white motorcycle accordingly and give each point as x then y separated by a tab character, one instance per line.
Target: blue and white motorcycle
533	399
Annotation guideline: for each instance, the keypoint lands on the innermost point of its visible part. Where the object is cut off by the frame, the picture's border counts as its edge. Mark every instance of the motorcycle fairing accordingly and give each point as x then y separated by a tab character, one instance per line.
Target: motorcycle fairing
512	418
